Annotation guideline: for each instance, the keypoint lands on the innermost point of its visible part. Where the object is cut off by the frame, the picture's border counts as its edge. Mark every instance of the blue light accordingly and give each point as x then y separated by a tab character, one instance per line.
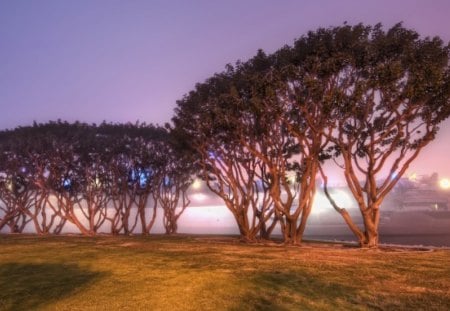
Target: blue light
132	175
140	176
167	181
394	175
67	183
143	178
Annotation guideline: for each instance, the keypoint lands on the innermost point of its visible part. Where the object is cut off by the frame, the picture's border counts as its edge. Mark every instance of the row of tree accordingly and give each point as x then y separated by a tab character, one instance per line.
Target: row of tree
366	98
257	133
111	175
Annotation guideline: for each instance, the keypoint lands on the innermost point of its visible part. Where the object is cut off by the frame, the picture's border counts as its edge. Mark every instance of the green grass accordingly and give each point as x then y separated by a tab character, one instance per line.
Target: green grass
200	273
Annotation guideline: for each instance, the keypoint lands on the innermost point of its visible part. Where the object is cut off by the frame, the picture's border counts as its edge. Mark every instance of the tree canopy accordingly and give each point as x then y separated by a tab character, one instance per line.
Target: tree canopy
370	99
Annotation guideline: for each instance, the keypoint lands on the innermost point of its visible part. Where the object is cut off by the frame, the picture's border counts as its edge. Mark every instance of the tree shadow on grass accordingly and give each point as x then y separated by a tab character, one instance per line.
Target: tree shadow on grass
296	291
26	286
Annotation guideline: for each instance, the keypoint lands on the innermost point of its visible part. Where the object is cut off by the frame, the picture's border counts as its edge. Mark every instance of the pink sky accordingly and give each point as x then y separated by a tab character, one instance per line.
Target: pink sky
131	60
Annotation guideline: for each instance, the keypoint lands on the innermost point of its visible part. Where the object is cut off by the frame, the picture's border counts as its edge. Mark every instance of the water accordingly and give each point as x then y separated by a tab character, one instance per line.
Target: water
438	240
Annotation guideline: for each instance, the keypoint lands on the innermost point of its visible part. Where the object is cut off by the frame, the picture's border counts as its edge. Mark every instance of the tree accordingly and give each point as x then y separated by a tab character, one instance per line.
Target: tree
280	116
255	122
389	91
206	118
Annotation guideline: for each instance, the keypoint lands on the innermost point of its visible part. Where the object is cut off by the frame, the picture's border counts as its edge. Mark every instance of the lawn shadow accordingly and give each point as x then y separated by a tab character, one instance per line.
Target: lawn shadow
27	286
298	290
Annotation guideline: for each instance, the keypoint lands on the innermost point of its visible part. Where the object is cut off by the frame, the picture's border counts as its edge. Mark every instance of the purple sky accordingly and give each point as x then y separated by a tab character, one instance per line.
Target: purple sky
120	61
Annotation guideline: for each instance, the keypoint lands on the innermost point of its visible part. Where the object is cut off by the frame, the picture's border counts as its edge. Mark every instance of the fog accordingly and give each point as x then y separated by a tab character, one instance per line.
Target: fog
414	213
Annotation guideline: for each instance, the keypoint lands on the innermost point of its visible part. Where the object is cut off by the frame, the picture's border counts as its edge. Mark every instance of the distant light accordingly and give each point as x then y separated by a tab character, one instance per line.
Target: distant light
211	155
67	183
412	177
394	175
46	173
291	177
97	182
142	180
196	184
444	183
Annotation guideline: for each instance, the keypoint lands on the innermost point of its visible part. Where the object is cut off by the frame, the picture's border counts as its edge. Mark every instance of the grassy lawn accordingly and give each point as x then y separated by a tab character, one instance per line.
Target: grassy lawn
200	273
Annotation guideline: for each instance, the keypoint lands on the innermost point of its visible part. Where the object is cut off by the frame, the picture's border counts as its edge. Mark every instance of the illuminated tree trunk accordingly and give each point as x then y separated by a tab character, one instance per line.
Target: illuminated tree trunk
234	182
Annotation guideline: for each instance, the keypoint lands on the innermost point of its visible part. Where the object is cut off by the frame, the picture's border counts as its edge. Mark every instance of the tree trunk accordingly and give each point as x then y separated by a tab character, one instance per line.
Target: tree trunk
371	232
246	235
290	231
371	239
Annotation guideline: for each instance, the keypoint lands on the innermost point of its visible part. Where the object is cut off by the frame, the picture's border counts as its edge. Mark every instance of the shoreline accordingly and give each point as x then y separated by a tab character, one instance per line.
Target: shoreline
234	239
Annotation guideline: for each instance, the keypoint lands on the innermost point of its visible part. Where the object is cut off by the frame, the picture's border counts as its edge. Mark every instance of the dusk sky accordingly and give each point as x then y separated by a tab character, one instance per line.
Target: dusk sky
120	61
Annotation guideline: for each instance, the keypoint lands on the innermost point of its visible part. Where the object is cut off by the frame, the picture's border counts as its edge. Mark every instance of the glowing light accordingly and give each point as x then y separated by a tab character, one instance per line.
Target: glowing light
394	175
196	184
292	177
444	183
46	173
211	155
9	186
67	183
97	183
412	177
132	176
142	180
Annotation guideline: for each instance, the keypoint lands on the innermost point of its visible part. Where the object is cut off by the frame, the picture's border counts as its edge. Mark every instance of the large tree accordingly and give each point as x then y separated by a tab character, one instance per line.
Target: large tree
253	123
386	93
279	113
172	183
210	120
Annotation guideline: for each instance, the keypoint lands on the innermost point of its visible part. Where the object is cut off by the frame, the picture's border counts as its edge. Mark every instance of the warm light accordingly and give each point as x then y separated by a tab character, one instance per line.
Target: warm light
9	186
412	177
196	184
444	183
291	177
97	183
